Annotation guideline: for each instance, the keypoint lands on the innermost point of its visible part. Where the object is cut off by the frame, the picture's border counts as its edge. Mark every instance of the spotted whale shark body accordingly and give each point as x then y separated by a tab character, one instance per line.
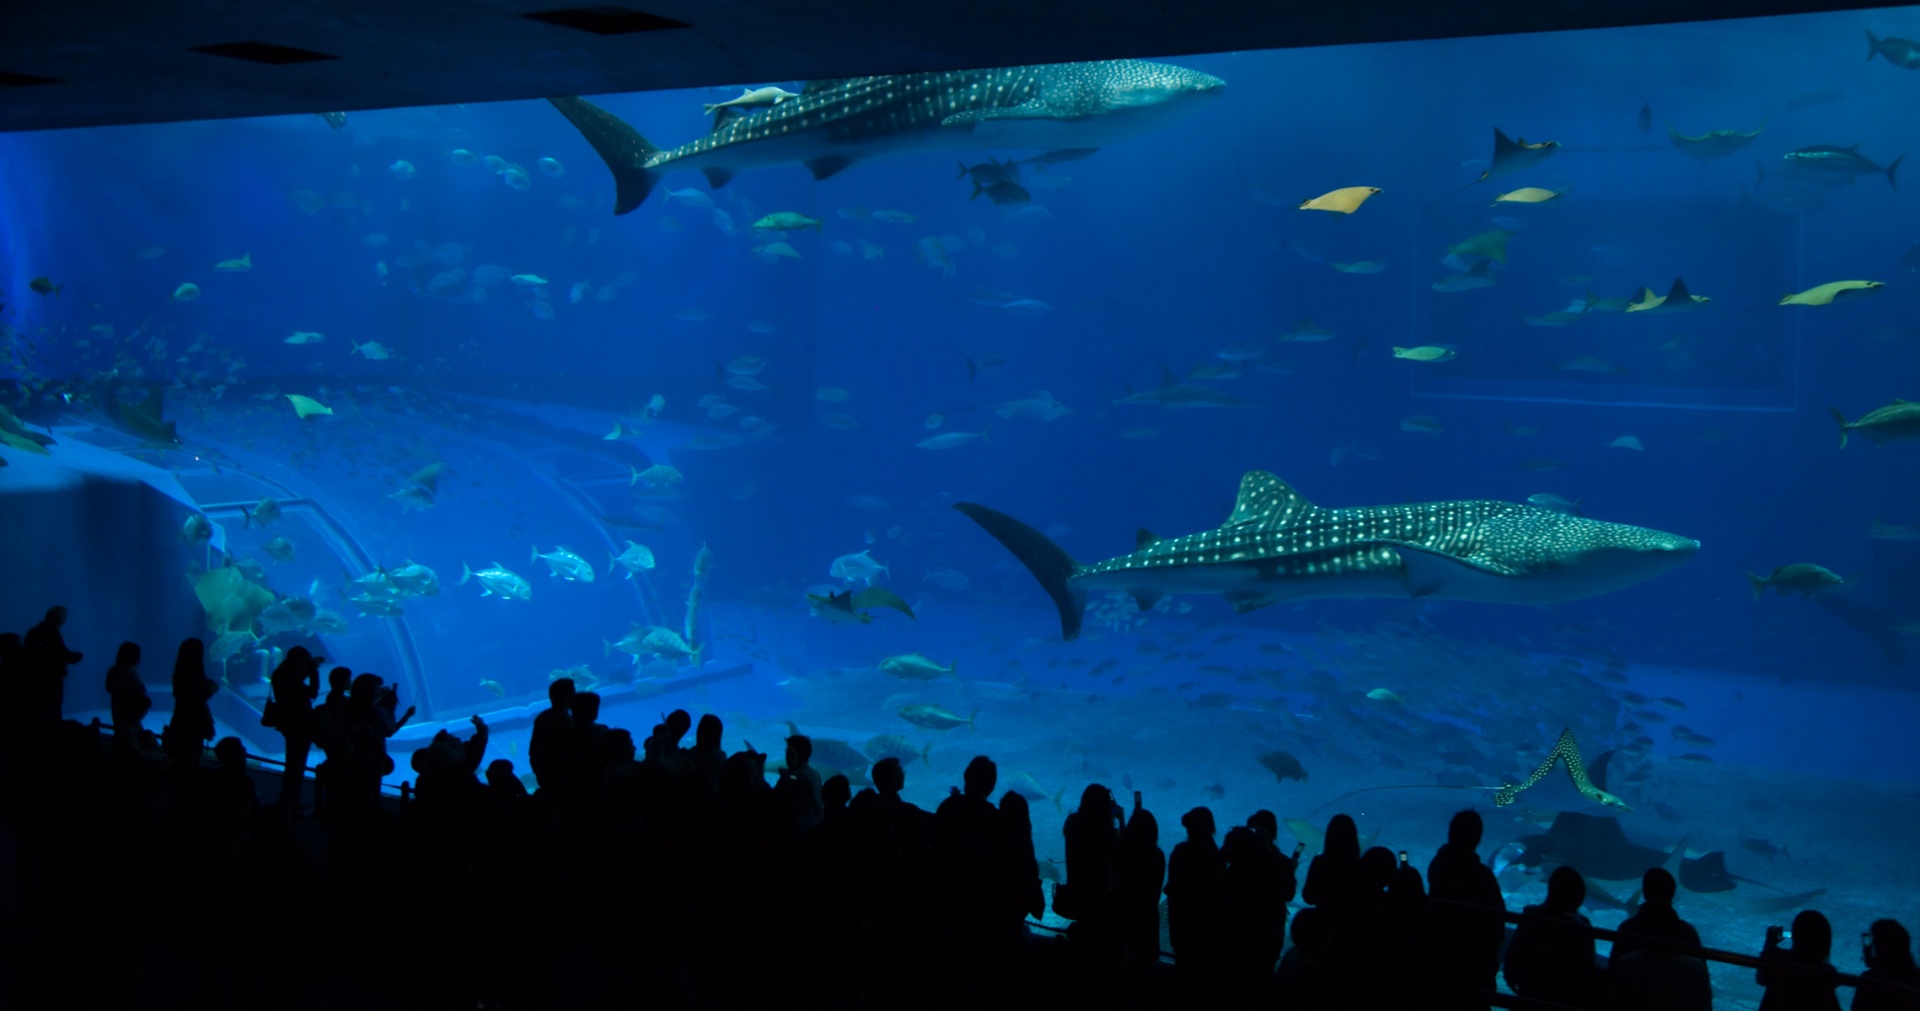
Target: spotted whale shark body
835	123
1278	546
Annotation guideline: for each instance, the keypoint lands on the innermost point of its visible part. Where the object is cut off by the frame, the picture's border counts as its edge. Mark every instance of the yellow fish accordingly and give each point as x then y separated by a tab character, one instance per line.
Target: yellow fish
233	266
1344	200
1832	291
499	690
1527	195
1677	299
307	407
1425	353
1384	695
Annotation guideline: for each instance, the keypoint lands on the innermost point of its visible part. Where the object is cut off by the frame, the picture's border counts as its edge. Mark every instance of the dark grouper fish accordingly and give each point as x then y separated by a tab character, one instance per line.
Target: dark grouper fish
834	123
1278	546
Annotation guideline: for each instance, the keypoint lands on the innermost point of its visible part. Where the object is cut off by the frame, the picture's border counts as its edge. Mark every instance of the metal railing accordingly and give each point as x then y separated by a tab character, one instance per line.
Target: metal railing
400	790
1494	998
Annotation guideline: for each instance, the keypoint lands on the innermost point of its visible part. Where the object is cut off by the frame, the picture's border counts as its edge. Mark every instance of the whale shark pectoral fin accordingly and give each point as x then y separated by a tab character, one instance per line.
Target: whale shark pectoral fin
1244	602
1032	109
1145	599
827	166
1430	572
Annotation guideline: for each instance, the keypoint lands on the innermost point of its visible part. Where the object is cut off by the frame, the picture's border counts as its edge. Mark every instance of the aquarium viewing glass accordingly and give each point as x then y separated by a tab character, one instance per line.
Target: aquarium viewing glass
446	417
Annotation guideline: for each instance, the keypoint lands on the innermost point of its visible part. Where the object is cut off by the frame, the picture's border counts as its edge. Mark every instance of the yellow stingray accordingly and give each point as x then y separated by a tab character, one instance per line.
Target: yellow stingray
230	600
1828	293
307	407
1510	155
1677	299
1712	144
1527	195
1344	200
1492	245
19	436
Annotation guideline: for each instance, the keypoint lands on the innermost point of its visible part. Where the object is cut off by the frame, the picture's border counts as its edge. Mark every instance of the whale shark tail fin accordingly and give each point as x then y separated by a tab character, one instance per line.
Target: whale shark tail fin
619	145
1049	562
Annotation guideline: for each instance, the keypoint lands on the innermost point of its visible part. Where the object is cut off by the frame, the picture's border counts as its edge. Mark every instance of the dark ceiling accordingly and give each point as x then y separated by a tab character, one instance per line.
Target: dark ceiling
96	62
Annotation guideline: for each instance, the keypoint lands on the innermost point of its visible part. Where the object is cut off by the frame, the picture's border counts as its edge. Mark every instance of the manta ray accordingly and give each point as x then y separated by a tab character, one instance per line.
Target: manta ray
1278	546
835	123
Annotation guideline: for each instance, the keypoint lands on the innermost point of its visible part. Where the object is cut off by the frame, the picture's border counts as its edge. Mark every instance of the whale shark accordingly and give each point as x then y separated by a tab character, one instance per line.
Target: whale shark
1276	545
834	123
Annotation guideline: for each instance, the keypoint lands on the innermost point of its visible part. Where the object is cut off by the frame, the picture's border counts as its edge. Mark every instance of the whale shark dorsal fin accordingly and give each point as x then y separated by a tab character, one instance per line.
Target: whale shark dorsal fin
1167	378
1678	293
1266	501
1143	537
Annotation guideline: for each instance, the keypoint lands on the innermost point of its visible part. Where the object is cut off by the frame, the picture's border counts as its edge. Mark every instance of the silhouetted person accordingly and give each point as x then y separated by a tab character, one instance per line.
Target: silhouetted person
892	845
677	723
127	700
835	793
447	780
1463	946
234	799
1401	956
1891	982
47	658
1139	875
1644	978
16	694
707	754
371	720
589	738
1805	981
550	748
1329	889
1195	913
1371	946
1092	834
1021	894
295	683
1555	964
502	781
1249	887
1274	878
967	846
1305	979
191	726
797	794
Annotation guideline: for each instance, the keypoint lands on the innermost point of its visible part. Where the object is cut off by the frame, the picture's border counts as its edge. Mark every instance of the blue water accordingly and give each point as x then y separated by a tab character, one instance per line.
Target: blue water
1163	250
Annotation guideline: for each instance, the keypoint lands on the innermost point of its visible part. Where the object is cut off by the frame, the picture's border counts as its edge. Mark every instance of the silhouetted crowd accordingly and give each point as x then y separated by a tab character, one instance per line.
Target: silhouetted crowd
149	874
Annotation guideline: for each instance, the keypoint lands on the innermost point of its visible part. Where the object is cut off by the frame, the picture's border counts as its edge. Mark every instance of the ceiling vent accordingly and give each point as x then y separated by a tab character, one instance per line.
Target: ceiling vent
607	20
9	79
262	52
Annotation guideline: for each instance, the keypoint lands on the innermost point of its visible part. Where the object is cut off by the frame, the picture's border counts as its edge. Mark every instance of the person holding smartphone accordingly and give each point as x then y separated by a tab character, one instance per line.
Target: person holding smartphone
1092	836
1139	873
1805	979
